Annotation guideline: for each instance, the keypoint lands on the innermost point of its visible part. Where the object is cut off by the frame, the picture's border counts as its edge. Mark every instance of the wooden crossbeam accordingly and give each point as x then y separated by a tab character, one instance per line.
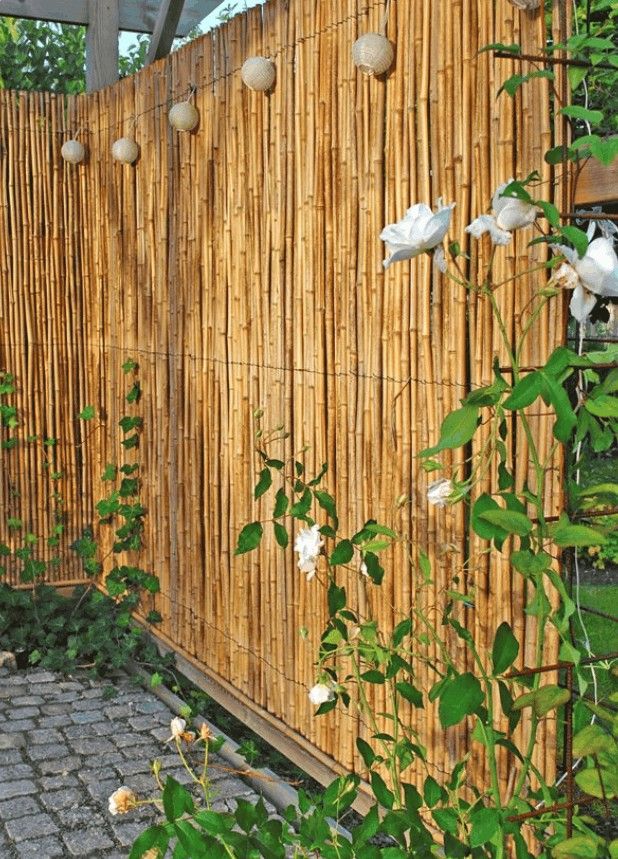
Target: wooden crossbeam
165	28
138	16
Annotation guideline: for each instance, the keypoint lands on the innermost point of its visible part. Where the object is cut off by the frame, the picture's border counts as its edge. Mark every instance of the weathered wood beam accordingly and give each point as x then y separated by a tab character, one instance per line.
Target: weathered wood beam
137	16
165	29
102	44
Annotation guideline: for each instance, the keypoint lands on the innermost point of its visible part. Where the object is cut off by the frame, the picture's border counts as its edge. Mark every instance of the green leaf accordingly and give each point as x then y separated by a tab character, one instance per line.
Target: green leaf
336	598
281	504
577	535
264	483
110	472
374	569
154	836
505	649
457	429
525	391
578	847
87	413
459	697
485	823
301	508
576	76
576	111
508	520
191	840
134	393
577	238
401	630
432	792
446	819
366	752
249	538
383	795
281	535
343	553
326	502
410	693
591	740
603	406
129	366
543	700
176	800
599	784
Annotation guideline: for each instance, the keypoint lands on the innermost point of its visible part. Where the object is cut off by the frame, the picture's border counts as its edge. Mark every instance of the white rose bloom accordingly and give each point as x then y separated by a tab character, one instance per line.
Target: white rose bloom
177	727
594	274
509	213
439	259
308	544
418	231
320	694
439	491
121	801
512	213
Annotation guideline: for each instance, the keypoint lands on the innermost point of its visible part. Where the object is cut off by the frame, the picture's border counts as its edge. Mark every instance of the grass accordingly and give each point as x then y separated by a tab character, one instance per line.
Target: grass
602	633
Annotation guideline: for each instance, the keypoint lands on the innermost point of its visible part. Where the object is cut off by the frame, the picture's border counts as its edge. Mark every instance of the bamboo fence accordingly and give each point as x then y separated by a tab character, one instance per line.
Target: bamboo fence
240	265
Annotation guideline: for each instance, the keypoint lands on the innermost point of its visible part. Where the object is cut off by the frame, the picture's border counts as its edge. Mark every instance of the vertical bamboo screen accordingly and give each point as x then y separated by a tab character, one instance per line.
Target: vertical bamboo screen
240	265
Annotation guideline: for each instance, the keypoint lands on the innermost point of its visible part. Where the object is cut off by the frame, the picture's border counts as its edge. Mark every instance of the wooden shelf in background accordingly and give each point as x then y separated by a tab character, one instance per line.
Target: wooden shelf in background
597	184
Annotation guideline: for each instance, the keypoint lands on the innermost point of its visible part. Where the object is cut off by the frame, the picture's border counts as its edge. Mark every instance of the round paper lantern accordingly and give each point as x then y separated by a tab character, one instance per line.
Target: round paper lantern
258	73
183	116
73	151
126	150
373	54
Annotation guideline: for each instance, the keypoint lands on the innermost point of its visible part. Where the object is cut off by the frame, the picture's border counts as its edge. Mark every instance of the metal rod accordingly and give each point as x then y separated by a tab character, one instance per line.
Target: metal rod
599	613
548	809
551	61
568	712
599	216
560	666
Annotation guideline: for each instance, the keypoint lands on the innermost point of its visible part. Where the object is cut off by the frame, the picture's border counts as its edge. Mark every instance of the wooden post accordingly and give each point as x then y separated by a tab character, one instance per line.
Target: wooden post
165	29
102	44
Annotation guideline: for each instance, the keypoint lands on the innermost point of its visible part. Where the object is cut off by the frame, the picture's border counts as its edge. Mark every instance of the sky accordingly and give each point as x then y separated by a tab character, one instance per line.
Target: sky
207	23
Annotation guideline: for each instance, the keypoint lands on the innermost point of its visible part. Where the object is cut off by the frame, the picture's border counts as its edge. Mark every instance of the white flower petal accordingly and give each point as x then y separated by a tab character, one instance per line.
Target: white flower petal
439	492
419	230
487	224
439	259
598	268
582	303
320	694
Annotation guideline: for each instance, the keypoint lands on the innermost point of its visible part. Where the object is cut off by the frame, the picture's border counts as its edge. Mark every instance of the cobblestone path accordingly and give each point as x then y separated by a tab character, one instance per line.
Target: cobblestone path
65	745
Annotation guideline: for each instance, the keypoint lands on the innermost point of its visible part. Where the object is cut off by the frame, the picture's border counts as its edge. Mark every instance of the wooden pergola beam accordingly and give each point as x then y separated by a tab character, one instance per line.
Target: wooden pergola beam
165	29
137	16
102	44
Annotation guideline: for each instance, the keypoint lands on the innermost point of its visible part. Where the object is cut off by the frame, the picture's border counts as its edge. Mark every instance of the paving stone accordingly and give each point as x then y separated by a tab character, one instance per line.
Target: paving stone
14	740
73	686
12	772
126	833
60	765
96	776
18	807
87	704
151	706
9	789
103	729
161	734
128	768
149	722
53	782
129	740
44	735
56	709
16	727
9	756
86	842
102	790
88	746
119	711
53	750
52	721
57	799
79	818
31	826
24	713
42	676
28	701
41	848
52	696
83	718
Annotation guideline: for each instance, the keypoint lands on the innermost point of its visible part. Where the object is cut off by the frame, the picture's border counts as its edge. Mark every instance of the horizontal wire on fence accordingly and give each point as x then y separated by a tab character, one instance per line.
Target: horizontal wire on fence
254	365
213	80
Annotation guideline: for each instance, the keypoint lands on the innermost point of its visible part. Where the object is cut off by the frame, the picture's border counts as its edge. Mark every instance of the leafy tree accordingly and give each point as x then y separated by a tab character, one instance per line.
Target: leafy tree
41	55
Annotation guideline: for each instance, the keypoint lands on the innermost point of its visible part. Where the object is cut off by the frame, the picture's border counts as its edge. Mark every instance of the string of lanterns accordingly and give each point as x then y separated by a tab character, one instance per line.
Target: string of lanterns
372	54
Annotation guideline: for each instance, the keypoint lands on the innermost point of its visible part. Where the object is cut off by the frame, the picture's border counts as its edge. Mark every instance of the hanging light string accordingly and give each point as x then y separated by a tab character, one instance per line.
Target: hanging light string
301	39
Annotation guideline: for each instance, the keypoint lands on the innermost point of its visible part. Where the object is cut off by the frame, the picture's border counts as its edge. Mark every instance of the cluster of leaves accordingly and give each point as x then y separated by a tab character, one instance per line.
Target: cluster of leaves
87	629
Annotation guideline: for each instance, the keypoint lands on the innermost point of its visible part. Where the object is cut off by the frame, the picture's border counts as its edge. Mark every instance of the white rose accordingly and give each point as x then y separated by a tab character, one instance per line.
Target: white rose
308	544
177	727
594	274
439	491
121	801
418	231
320	694
509	213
